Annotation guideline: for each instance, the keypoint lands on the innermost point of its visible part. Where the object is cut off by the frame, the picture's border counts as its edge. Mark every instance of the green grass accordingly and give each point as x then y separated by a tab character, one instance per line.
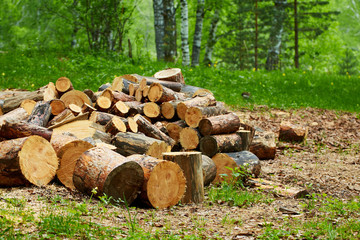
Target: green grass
279	89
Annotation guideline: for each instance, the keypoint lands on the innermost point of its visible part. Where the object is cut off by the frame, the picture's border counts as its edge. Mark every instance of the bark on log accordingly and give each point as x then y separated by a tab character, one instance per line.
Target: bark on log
63	116
209	170
120	109
76	97
189	90
175	128
175	86
164	184
194	115
132	89
63	85
15	115
149	130
101	118
109	173
115	125
160	94
57	106
28	105
12	103
23	160
171	75
245	138
104	86
120	96
11	130
41	114
135	108
134	143
204	101
221	124
292	133
210	145
151	110
189	138
191	164
264	146
92	96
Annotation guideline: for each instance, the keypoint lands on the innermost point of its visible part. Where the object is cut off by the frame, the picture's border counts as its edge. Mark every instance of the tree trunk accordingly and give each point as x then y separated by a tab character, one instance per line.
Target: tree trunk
195	115
275	38
211	41
191	164
185	33
198	33
169	31
30	159
11	130
109	173
221	124
41	114
210	145
159	28
160	190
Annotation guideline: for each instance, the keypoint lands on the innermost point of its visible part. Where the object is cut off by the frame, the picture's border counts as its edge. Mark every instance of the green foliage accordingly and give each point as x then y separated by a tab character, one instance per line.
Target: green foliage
349	64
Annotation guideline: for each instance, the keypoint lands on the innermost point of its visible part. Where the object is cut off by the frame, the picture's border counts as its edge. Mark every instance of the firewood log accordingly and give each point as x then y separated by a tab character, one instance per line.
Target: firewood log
57	106
101	118
171	75
11	103
209	170
76	97
145	92
103	103
75	109
264	145
117	84
109	173
175	86
168	109
115	125
28	105
191	164
63	85
164	184
108	93
41	114
92	96
132	89
120	109
27	160
160	94
138	95
152	110
135	108
189	138
292	133
204	101
15	115
227	123
175	128
194	115
189	90
210	145
120	96
11	130
50	92
131	77
61	117
245	138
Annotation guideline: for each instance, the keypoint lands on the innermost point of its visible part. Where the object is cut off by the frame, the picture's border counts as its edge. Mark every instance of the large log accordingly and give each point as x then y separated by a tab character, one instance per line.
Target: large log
209	170
11	130
191	164
194	115
210	145
264	145
14	102
133	143
109	173
15	115
292	133
23	160
164	184
221	124
41	114
189	138
204	101
171	75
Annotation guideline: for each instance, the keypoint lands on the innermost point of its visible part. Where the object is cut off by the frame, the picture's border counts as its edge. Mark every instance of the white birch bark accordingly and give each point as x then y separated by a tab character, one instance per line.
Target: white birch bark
198	33
185	33
212	37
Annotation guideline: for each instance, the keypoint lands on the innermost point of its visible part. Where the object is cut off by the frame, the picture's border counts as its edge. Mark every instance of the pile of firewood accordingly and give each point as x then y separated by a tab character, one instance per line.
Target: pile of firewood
124	140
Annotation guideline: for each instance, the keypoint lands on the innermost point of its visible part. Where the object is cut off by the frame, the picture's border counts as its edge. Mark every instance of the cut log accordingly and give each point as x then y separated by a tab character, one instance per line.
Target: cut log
76	110
210	145
126	86
189	138
194	115
131	124
205	101
151	110
104	86
120	109
189	90
86	108
82	116
202	92
168	109
23	160
138	95
131	77
248	160
292	133
149	130
161	126
245	138
11	103
134	143
63	85
50	92
57	106
171	75
103	103
160	94
101	118
15	115
76	97
92	96
108	93
227	123
175	128
209	170
41	114
175	86
142	84
115	125
264	145
224	164
109	173
11	130
145	92
28	105
117	84
120	96
62	117
135	108
132	88
164	184
191	164
68	150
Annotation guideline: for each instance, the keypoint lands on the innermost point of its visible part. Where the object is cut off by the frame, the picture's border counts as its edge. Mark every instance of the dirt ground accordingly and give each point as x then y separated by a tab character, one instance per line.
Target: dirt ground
328	162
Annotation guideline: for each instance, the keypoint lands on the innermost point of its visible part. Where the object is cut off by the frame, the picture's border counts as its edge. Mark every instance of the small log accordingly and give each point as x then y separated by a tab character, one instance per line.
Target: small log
227	123
159	93
57	106
209	170
145	92
109	173
151	110
120	109
202	92
120	96
132	88
245	138
15	115
50	92
190	90
164	184
41	114
75	97
62	117
101	118
138	95
175	86
194	115
11	103
107	93
210	145
92	96
142	84
117	84
161	126
63	85
131	124
126	86
23	160
131	77
264	145
86	108
189	138
11	130
204	101
191	164
171	75
175	128
168	109
103	103
28	105
133	143
68	149
135	108
149	130
115	125
292	133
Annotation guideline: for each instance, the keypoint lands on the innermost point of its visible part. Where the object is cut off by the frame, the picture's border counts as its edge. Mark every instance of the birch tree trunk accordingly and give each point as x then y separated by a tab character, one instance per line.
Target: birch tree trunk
212	37
185	33
276	34
198	33
169	30
159	28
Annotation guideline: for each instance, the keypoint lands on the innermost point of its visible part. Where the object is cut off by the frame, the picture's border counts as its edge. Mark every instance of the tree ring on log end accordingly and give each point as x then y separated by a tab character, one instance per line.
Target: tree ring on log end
209	146
205	127
155	92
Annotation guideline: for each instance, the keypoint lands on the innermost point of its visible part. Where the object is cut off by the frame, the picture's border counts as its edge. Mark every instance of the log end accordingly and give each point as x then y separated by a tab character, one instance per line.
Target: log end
208	146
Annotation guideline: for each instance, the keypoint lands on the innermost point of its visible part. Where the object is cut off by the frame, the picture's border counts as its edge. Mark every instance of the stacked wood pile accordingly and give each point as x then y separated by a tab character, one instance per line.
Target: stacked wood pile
114	139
